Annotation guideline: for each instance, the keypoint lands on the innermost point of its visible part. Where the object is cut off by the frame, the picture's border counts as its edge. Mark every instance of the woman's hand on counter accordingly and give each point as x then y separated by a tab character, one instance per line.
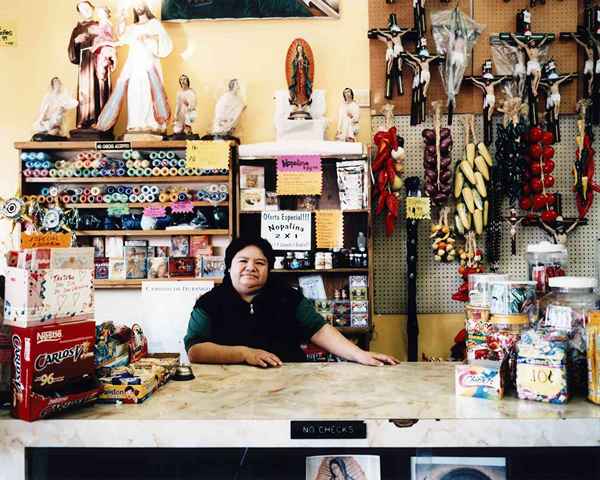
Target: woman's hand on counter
261	358
375	359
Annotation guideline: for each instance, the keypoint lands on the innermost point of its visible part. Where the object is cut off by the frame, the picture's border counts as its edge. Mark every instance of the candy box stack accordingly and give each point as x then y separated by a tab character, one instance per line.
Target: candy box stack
53	368
542	367
480	379
49	308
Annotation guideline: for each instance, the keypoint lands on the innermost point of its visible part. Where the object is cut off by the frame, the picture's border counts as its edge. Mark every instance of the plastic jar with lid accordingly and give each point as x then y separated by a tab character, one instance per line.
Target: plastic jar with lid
566	309
546	260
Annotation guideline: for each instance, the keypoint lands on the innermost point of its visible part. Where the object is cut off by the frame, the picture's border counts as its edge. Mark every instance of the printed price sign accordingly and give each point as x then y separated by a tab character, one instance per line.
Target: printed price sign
299	175
418	208
8	34
207	155
48	240
559	317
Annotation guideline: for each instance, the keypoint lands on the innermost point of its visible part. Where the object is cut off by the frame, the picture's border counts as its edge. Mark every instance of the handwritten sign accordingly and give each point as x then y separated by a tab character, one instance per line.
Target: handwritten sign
207	155
182	207
117	209
330	229
8	33
46	240
155	211
418	208
299	163
542	380
287	230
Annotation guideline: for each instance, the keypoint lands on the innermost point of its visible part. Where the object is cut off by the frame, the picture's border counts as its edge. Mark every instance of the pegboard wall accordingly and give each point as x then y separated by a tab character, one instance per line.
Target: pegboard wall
437	282
497	16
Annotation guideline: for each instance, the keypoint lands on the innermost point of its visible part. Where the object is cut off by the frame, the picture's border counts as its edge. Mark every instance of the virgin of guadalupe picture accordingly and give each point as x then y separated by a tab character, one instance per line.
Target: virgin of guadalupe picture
220	9
300	74
343	467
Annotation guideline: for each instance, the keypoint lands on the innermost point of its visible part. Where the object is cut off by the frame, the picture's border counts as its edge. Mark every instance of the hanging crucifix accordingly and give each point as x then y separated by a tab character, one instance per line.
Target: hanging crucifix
487	84
530	43
392	36
420	62
551	83
419	17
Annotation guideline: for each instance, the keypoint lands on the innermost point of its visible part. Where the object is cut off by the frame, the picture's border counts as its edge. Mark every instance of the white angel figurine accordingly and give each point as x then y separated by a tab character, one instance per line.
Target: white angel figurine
349	116
50	119
228	110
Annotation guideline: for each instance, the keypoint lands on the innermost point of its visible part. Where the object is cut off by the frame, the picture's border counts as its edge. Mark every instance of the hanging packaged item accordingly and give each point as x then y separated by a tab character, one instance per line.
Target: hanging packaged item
513	297
565	310
480	287
546	260
593	357
542	367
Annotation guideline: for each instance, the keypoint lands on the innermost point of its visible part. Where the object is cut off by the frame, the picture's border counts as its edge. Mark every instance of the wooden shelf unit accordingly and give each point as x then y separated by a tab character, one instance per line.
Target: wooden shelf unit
137	283
361	218
30	185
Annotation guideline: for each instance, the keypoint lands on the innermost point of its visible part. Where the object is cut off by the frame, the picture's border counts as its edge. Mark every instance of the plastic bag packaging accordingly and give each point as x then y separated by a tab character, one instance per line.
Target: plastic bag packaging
455	35
512	60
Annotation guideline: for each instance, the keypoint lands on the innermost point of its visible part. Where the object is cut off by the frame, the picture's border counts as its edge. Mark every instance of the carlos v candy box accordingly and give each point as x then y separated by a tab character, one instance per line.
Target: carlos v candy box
479	380
53	366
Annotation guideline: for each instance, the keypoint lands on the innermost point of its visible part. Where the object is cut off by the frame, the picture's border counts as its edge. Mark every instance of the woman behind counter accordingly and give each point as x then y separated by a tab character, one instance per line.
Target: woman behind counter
251	318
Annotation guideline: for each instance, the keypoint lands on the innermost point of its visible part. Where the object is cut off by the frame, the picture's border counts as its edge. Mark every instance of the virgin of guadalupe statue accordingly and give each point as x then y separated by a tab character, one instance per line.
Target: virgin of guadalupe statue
300	72
81	53
141	79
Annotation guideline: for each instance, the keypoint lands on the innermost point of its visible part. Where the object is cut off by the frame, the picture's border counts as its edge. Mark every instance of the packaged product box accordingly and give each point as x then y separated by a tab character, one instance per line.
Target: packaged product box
52	365
5	360
542	367
481	380
593	357
48	296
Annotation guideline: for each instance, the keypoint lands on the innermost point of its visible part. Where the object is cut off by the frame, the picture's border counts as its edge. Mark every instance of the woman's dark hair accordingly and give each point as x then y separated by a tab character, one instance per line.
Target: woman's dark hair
147	12
240	243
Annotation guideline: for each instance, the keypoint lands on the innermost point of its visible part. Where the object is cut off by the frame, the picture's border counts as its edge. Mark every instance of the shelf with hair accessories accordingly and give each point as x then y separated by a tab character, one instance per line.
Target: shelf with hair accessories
143	194
337	279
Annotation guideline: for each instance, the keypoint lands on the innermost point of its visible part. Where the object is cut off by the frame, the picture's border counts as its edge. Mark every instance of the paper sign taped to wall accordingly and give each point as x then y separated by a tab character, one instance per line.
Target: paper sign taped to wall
287	229
330	228
299	163
46	240
296	183
207	155
8	33
418	208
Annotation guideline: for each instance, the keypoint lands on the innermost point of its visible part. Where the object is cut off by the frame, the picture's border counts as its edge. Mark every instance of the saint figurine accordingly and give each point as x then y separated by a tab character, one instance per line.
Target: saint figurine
141	80
48	125
228	111
185	111
81	53
105	57
300	75
349	116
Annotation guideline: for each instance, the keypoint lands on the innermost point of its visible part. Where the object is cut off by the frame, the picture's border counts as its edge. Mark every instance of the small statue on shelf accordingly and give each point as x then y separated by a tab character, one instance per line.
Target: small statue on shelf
300	70
349	117
185	112
228	111
141	80
48	125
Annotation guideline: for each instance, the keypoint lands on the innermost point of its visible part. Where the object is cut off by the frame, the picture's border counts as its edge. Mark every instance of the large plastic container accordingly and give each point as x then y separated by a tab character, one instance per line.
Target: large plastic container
480	287
513	297
546	260
566	309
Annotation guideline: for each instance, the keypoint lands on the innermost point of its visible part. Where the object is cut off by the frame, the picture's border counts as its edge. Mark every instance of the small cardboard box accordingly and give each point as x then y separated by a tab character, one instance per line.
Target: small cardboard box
482	380
48	296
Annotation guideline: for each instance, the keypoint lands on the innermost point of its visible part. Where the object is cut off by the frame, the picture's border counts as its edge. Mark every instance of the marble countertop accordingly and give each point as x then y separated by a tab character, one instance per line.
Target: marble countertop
327	391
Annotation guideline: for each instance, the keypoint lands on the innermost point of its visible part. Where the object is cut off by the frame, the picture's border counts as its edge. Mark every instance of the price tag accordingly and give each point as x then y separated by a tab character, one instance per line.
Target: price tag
182	207
155	211
559	317
418	208
207	155
118	210
8	34
48	240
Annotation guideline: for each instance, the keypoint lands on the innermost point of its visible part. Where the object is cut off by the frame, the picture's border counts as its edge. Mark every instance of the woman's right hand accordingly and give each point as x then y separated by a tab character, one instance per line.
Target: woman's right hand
261	358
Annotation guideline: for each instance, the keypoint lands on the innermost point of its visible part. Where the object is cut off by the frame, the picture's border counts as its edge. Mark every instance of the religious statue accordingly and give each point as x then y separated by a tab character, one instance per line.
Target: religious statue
300	70
105	57
185	112
534	69
228	111
551	83
349	116
590	69
48	125
141	80
560	230
92	92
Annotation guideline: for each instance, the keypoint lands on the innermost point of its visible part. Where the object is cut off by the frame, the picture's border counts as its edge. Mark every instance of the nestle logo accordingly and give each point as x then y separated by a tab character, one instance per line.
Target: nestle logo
50	336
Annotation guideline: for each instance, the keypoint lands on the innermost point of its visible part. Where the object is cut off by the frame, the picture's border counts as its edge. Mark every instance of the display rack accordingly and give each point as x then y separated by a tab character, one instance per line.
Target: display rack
356	220
32	185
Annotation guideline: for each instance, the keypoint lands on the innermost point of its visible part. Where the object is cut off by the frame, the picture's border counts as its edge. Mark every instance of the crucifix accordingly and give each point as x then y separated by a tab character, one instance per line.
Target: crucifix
530	43
392	36
551	83
419	17
514	220
487	83
421	79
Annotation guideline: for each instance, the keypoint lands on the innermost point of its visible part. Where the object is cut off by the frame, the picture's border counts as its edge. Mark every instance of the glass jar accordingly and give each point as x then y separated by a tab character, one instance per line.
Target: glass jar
546	260
566	309
505	333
